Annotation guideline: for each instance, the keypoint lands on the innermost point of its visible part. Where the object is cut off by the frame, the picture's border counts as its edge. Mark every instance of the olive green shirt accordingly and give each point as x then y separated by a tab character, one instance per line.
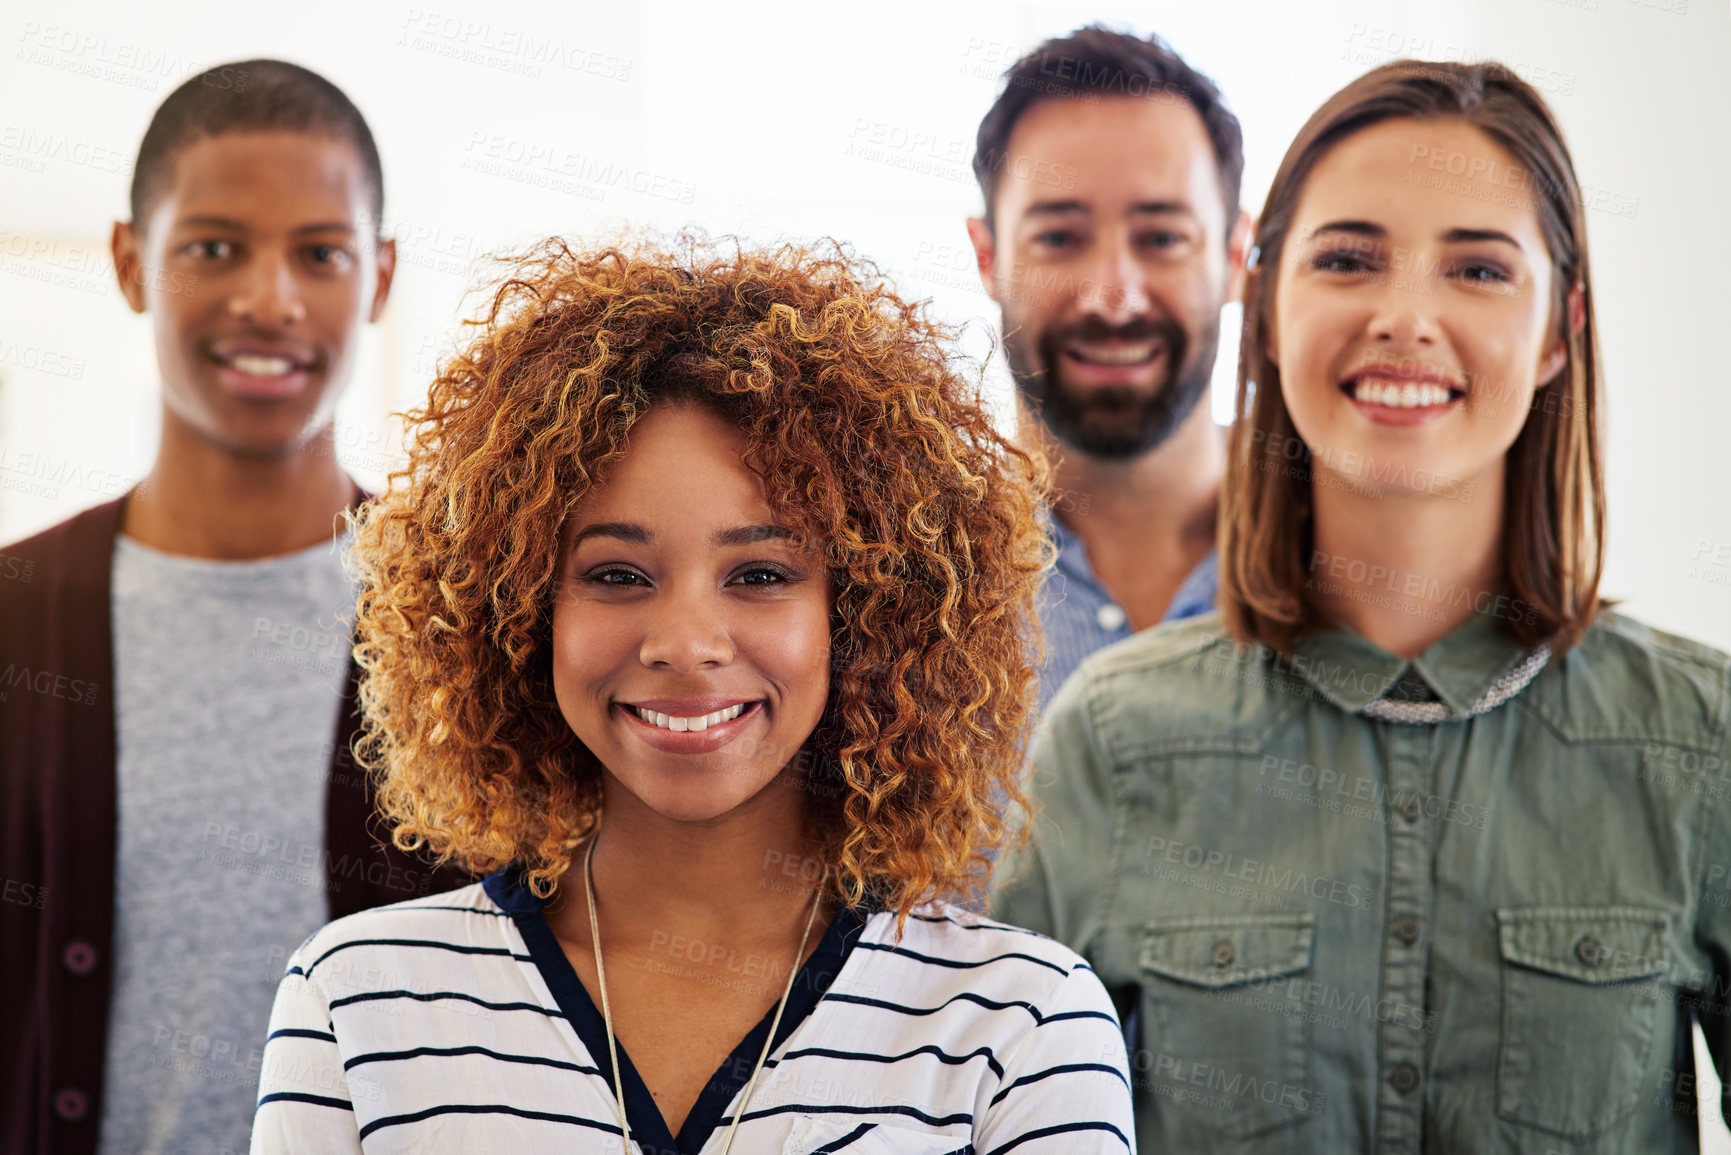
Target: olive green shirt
1331	933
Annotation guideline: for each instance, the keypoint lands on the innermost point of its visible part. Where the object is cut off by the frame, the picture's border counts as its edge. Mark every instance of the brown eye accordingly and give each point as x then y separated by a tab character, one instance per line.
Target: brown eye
616	577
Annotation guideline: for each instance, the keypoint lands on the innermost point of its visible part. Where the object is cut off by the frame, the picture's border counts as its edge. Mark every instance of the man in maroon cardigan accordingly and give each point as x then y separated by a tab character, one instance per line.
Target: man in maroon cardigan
179	806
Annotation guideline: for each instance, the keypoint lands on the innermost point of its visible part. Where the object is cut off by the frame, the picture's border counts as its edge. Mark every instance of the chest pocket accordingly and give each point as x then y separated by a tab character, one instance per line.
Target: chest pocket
1580	1010
853	1137
1225	1042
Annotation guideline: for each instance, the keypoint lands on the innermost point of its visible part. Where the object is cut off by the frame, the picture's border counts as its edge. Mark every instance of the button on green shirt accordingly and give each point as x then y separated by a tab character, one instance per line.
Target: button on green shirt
1330	933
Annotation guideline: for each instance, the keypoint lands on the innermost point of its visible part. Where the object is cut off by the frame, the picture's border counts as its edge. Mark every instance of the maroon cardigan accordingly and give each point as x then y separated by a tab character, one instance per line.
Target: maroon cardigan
57	833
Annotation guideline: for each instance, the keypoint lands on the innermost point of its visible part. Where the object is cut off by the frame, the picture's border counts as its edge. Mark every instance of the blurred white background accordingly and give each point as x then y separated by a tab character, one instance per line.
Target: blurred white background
502	122
801	120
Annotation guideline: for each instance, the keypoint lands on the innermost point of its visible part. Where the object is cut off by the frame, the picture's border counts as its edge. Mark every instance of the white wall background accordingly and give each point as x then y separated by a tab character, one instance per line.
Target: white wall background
854	121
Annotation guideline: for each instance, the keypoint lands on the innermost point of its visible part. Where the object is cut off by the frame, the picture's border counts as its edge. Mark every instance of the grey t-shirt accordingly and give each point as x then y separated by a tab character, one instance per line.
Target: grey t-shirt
228	677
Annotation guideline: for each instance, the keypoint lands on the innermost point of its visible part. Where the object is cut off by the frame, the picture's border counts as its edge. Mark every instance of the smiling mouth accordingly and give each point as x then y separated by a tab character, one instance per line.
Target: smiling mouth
1396	394
1115	352
261	364
679	725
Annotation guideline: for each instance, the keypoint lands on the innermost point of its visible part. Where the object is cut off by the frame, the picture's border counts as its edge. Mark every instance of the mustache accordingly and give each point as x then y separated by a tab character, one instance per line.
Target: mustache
1092	329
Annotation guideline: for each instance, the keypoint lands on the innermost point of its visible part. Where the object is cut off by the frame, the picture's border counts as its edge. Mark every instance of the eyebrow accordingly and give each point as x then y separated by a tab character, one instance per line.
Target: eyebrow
1464	236
1451	237
207	221
634	534
1060	208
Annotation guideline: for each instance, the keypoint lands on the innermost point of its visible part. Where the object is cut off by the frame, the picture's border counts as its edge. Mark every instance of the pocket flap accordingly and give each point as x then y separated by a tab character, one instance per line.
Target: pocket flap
1589	944
1214	951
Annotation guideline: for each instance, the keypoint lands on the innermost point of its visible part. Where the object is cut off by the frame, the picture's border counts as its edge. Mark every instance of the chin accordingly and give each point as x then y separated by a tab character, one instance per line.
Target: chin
692	801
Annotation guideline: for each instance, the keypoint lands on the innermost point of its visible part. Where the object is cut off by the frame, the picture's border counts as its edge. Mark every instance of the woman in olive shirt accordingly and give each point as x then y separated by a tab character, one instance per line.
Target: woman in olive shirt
1414	846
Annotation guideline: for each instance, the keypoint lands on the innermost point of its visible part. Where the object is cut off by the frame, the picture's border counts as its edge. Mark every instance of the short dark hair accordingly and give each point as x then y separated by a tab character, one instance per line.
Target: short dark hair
1095	62
249	96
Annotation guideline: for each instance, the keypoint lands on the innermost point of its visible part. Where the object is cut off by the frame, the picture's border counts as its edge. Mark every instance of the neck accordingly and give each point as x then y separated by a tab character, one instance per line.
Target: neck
202	500
751	868
1403	571
1169	494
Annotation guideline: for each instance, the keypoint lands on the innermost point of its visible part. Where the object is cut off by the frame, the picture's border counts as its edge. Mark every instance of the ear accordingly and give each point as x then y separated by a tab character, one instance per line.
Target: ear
1558	354
123	244
1270	331
1237	249
985	254
385	257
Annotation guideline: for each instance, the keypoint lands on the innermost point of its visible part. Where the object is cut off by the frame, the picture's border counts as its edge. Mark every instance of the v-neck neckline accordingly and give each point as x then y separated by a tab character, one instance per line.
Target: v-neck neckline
649	1129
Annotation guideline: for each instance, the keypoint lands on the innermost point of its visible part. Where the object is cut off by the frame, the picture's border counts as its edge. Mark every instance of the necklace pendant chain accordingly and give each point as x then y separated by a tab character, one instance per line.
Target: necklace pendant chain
607	1010
1431	713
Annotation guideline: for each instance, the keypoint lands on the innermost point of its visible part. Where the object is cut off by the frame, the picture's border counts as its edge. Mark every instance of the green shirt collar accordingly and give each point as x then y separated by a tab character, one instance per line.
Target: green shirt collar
1459	667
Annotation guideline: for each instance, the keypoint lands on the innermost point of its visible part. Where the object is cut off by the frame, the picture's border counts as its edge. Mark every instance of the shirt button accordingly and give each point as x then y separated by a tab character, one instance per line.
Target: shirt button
1407	930
1590	951
1410	809
70	1104
79	957
1223	954
1403	1078
1110	617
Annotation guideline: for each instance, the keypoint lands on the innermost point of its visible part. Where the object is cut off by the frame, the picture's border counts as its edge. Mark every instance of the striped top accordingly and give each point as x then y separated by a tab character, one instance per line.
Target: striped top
455	1023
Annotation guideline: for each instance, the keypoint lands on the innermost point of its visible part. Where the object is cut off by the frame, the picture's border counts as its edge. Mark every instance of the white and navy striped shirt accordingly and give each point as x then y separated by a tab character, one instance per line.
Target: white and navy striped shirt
455	1023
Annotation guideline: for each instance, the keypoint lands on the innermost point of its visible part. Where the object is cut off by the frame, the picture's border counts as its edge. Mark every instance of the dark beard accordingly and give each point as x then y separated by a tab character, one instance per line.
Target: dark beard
1113	424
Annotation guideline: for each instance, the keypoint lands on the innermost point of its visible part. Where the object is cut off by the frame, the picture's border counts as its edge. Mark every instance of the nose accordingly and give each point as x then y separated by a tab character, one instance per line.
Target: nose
1402	320
686	633
1119	283
268	293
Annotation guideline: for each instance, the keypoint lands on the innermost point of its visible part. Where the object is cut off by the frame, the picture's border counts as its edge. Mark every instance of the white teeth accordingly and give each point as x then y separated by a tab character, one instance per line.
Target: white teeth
681	725
1116	354
1398	394
261	366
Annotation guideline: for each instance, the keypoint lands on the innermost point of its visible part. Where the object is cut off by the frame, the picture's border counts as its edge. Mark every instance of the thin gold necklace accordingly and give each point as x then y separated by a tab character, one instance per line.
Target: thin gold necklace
607	1011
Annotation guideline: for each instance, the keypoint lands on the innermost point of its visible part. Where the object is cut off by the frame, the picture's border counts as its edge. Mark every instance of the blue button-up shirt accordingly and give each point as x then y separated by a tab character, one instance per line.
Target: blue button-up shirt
1079	616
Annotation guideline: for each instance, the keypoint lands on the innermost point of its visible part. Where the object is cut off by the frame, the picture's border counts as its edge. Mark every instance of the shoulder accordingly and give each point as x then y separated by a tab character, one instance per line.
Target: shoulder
1179	686
97	526
76	551
944	945
1626	680
463	927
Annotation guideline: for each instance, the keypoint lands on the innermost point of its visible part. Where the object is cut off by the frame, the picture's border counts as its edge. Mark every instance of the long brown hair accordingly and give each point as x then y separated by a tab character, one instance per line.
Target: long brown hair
1553	500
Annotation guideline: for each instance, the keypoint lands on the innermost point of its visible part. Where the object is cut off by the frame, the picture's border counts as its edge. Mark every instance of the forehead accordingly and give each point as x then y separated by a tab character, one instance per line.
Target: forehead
680	460
267	177
1111	152
1420	178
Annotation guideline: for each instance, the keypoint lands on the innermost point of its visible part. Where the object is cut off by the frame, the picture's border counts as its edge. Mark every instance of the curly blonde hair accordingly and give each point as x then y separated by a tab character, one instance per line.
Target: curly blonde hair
870	438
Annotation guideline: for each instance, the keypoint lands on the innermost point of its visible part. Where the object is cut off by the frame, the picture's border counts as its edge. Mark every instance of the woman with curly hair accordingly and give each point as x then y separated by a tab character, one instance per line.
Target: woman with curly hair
699	618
